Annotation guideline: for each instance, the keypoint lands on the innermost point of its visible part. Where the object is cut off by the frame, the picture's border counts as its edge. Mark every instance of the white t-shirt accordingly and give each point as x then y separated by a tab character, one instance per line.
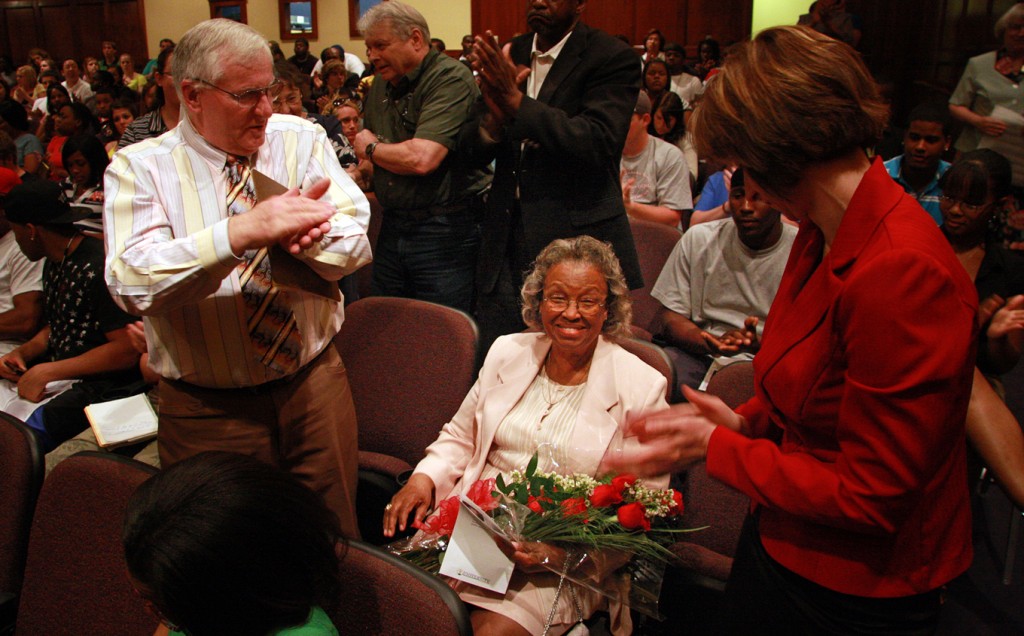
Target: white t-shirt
687	86
660	175
18	275
40	105
716	281
81	92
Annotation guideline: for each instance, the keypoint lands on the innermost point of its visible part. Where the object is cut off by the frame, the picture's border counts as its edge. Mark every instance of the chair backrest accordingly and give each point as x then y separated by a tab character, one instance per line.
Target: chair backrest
654	356
365	273
410	364
654	243
711	503
21	476
76	578
733	383
382	595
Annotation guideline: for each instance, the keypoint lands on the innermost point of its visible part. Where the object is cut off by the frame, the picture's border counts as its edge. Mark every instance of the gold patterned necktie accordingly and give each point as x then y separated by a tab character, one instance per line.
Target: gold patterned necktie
271	323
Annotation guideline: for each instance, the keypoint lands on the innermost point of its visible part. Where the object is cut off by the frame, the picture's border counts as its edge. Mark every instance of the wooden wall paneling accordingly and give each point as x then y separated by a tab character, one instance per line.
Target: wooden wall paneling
56	26
726	21
504	17
668	16
615	17
125	25
683	21
59	27
20	30
90	40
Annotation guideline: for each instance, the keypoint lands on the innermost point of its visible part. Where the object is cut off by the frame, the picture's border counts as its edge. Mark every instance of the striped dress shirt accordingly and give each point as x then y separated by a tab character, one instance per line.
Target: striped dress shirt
169	256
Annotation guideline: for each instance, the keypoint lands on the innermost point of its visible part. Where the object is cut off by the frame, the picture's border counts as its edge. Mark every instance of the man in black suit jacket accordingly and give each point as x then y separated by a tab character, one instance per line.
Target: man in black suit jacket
556	130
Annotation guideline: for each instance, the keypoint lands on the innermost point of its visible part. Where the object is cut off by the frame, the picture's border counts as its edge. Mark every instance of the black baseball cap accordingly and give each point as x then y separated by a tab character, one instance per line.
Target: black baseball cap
43	203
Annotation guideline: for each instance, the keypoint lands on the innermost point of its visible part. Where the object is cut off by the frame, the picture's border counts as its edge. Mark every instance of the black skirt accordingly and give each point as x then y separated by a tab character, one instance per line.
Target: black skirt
763	597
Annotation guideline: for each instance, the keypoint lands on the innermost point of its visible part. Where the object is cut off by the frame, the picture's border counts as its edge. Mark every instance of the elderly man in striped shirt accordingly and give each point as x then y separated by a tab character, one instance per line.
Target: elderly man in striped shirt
246	364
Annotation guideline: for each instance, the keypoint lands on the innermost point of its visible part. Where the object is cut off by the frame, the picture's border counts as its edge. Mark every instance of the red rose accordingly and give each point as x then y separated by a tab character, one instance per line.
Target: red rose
623	480
677	510
481	494
535	503
633	517
442	522
574	506
605	495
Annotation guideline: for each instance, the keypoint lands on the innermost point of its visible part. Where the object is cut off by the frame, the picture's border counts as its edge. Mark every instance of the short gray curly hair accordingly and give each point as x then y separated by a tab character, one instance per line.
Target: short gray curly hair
589	250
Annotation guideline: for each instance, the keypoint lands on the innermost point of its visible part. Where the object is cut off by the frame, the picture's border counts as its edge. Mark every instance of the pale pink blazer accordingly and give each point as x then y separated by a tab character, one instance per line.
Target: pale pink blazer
619	388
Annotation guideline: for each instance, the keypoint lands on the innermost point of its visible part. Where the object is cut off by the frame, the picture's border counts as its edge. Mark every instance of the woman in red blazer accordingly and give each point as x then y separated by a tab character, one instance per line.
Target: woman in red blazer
852	450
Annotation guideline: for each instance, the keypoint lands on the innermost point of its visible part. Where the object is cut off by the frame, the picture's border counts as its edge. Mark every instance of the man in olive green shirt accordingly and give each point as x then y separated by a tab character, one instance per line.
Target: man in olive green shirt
415	110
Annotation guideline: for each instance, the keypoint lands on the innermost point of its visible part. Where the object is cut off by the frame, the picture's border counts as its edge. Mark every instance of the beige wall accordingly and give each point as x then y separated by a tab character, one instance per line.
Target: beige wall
448	20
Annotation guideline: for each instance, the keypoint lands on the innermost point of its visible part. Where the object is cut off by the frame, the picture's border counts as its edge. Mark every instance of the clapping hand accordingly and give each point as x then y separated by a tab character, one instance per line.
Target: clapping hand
296	221
736	341
499	77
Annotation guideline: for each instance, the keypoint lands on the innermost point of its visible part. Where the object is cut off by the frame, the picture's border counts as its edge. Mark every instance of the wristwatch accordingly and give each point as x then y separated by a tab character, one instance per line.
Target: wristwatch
370	149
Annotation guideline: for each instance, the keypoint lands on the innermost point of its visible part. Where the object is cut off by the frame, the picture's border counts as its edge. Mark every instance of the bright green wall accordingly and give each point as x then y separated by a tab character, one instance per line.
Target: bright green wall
769	13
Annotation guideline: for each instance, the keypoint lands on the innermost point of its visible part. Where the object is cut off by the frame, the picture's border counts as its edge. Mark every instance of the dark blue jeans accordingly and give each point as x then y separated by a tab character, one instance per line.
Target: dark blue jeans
433	259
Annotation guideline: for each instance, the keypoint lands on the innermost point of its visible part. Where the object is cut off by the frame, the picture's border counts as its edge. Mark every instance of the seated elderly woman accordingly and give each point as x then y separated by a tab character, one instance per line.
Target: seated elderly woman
566	391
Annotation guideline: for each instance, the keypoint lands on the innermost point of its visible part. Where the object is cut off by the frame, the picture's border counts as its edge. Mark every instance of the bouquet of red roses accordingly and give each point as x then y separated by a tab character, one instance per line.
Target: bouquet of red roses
615	530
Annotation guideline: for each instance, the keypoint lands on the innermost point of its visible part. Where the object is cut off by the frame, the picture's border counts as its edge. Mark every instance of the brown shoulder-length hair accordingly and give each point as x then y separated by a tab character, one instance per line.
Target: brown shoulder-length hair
789	98
589	250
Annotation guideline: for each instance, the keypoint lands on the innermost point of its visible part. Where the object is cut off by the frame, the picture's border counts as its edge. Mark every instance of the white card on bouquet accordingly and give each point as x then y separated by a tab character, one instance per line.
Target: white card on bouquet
473	555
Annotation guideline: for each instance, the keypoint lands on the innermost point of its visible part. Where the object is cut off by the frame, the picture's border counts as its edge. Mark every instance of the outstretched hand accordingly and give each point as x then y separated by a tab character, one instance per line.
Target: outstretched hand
672	439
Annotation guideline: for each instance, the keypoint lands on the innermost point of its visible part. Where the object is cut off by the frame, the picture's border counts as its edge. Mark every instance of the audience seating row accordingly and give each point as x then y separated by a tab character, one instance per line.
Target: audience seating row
74	574
75	579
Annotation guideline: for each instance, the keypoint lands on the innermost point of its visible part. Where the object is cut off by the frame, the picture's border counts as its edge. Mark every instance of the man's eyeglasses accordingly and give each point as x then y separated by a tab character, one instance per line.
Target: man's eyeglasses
969	208
584	305
249	98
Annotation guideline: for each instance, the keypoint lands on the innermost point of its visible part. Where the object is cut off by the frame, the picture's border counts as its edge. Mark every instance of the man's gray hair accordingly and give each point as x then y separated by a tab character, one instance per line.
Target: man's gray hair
402	17
211	46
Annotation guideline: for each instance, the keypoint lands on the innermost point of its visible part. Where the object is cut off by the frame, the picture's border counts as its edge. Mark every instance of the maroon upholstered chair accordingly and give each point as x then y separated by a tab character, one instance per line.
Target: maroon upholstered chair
384	595
708	554
365	274
21	475
410	364
654	243
654	356
75	578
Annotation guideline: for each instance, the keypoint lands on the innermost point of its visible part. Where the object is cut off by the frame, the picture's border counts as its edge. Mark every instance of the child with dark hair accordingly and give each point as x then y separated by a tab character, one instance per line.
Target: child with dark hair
85	160
976	189
920	166
222	544
69	120
124	112
102	108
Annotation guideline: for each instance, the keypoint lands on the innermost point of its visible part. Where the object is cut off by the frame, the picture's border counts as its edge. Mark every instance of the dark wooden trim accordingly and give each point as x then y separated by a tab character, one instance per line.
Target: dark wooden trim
219	4
284	21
